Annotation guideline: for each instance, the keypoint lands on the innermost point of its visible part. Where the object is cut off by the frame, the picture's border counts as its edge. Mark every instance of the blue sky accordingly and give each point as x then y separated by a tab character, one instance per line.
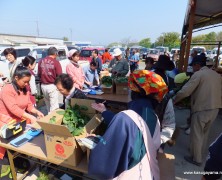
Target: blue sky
98	21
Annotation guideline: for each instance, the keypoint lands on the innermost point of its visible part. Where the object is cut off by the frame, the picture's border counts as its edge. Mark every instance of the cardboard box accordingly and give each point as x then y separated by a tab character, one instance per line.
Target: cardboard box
107	90
166	165
122	88
85	102
61	146
104	73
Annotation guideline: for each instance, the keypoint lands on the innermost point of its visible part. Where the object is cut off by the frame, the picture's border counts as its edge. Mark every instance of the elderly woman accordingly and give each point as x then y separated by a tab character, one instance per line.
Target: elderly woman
132	136
65	86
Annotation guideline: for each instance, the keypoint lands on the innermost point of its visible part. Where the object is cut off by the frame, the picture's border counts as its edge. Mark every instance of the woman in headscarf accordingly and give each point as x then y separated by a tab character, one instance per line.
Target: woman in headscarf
129	146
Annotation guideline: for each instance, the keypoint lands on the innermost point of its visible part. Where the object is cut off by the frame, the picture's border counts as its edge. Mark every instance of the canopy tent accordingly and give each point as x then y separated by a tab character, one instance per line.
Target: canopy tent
200	14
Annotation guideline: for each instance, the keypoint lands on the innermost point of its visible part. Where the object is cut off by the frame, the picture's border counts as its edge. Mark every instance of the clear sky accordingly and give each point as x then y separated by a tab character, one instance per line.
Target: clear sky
99	21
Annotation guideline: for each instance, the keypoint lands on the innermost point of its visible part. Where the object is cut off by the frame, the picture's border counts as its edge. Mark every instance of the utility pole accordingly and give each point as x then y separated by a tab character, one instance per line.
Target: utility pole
37	28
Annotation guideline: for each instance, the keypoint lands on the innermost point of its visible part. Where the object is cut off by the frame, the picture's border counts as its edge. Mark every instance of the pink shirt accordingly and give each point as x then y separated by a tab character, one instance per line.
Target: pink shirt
13	105
76	74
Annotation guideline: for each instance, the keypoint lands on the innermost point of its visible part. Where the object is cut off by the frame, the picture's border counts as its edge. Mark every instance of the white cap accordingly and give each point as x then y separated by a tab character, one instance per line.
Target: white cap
71	52
117	52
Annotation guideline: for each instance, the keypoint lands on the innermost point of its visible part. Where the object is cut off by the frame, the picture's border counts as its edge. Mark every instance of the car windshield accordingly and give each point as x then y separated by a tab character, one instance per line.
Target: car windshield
101	52
161	49
42	53
86	53
199	50
154	51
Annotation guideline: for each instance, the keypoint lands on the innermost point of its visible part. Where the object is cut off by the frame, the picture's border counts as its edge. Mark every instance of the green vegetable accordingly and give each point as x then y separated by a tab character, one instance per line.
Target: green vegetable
107	81
43	176
75	120
52	120
121	80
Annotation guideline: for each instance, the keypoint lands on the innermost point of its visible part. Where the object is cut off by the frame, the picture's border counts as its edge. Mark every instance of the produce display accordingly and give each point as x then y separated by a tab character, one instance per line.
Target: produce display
106	81
121	79
74	118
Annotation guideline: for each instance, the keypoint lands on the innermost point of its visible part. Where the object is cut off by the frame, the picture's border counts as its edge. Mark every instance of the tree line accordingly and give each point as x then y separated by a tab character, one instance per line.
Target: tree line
171	40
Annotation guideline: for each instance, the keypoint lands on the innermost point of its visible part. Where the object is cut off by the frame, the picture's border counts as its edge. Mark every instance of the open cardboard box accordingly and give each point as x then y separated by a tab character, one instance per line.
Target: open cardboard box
61	146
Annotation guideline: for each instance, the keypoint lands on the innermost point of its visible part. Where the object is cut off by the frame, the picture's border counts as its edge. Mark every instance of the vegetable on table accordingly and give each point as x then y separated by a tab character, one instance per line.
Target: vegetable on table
121	80
74	119
107	81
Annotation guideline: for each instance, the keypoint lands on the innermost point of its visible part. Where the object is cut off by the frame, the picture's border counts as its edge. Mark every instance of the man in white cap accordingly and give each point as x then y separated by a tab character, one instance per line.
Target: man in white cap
118	66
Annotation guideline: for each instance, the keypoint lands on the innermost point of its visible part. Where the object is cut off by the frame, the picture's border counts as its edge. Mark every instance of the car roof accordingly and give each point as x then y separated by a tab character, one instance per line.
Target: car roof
91	48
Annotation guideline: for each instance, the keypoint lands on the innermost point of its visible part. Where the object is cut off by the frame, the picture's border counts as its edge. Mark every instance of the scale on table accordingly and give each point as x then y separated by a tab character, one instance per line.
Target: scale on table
28	136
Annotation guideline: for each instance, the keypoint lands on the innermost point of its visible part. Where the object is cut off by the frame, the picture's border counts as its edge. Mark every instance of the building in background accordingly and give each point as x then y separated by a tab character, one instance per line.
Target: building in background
23	40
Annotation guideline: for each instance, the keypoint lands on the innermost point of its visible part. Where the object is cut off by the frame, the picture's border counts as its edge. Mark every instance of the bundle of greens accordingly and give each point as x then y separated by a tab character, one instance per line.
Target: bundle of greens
106	81
75	119
121	80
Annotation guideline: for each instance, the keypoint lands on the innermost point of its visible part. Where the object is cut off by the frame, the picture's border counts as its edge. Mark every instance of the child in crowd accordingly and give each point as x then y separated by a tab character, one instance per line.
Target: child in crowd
105	65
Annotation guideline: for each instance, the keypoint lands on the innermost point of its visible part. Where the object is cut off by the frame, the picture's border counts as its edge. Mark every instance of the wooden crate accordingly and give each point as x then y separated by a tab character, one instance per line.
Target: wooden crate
107	90
122	88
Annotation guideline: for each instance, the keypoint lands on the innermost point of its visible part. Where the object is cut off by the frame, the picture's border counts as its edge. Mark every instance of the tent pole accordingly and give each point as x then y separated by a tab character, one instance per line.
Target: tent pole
190	30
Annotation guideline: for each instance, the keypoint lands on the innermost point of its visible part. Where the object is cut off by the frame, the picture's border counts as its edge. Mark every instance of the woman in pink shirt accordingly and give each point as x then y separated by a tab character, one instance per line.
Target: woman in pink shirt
74	70
15	100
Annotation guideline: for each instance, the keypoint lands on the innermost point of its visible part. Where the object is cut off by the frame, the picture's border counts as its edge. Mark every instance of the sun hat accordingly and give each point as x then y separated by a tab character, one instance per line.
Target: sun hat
117	52
180	78
149	81
164	63
71	52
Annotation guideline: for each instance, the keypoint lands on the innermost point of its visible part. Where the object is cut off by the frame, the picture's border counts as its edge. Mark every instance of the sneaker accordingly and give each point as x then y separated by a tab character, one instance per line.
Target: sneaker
184	126
187	132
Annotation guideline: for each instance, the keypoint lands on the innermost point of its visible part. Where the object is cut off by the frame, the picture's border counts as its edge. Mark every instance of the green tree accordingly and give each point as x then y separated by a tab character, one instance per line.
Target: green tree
219	36
65	39
169	39
145	43
113	44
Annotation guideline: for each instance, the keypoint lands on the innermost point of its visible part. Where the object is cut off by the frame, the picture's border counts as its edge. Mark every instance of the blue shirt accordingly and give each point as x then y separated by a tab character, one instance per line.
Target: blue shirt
90	74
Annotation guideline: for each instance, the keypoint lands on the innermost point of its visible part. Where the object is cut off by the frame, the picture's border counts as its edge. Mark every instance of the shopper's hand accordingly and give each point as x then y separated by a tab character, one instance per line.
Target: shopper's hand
99	107
1	75
33	119
39	114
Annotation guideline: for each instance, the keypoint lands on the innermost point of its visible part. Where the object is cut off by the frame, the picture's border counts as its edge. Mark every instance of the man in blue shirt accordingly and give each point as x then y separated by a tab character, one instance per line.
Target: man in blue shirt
91	74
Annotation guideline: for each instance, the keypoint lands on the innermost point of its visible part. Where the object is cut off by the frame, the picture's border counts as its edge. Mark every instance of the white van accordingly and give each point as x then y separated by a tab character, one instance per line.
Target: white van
199	49
40	52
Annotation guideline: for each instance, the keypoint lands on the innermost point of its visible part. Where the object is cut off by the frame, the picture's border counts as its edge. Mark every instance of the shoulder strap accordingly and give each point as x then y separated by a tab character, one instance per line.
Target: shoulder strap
148	141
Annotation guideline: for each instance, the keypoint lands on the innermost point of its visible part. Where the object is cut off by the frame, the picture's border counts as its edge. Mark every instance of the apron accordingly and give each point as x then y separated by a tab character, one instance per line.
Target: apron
148	168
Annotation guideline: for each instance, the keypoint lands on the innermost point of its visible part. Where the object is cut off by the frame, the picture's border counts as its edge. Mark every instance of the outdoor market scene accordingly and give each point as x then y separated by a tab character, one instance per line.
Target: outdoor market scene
84	104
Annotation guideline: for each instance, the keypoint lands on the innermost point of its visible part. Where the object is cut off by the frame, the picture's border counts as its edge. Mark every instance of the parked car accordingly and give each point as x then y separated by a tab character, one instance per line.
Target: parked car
199	49
21	52
86	53
143	53
162	49
111	51
154	53
173	50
